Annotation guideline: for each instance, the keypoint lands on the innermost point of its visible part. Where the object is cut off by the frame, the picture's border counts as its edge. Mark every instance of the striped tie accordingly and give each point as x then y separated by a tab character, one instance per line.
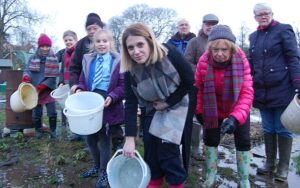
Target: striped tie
98	72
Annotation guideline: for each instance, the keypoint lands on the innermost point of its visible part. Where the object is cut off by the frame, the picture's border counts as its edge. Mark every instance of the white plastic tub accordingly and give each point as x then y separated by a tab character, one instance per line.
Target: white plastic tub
84	102
290	118
84	123
128	172
25	98
60	94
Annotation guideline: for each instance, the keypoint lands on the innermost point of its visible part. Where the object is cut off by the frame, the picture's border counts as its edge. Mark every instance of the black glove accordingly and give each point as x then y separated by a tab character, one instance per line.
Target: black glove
228	126
199	118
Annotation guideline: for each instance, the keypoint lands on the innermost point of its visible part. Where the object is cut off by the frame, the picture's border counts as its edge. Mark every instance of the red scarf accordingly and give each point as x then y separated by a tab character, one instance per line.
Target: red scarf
232	84
67	60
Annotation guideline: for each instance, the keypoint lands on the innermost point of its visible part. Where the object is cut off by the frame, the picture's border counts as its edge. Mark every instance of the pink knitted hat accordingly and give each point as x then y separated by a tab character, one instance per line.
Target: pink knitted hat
44	40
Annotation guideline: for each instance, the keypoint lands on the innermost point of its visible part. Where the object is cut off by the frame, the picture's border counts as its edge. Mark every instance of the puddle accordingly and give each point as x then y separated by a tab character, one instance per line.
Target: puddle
257	159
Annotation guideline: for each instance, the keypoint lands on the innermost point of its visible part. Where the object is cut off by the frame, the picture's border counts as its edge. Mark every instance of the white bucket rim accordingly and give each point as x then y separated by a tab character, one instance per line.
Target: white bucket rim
296	100
137	157
84	111
20	96
52	94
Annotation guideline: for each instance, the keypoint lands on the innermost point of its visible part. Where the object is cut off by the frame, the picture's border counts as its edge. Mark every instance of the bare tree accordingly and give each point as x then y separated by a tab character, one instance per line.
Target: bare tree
16	17
161	20
243	37
297	33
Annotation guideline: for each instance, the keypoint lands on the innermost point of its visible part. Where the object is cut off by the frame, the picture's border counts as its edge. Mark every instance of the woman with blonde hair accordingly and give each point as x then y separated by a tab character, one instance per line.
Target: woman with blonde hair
158	78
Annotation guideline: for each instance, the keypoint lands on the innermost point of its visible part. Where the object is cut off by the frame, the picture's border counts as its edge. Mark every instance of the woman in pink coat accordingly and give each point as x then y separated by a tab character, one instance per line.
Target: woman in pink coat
224	100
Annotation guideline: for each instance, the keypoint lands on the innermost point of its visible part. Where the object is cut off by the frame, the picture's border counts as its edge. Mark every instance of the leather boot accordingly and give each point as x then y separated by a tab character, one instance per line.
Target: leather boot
243	165
52	123
271	152
285	148
38	128
211	166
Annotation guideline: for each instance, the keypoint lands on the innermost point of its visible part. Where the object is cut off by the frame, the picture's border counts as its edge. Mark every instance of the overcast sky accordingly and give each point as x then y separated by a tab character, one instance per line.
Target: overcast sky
71	14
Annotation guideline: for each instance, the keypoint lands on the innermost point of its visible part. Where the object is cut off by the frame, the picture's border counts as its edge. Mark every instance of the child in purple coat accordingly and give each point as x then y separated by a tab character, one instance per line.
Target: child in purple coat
101	74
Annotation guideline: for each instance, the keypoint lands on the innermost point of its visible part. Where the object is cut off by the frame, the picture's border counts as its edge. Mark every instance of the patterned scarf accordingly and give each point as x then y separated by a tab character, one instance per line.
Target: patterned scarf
232	84
157	82
51	64
67	60
154	82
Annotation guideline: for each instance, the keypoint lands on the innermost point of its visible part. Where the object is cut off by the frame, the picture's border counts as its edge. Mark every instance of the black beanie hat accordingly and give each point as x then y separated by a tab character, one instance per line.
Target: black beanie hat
93	18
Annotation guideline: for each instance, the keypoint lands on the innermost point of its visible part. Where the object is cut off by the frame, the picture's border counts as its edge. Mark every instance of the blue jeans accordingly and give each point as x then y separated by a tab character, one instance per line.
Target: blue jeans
271	122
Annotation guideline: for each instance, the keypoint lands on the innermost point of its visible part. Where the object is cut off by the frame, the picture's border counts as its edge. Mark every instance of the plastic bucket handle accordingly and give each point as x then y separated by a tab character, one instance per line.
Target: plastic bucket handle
65	111
138	157
116	153
144	166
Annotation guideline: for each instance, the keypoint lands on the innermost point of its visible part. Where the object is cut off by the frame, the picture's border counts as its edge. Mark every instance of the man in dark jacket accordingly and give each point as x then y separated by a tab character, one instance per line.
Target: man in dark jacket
93	23
193	52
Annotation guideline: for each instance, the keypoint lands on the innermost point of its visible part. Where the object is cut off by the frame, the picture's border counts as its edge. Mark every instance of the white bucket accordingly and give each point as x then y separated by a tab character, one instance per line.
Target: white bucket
124	172
25	98
84	123
84	102
60	94
290	118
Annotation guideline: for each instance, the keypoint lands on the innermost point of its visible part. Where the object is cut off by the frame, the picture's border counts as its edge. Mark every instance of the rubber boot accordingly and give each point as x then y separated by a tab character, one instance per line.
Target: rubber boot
271	152
52	123
158	183
243	164
211	166
285	147
195	144
38	128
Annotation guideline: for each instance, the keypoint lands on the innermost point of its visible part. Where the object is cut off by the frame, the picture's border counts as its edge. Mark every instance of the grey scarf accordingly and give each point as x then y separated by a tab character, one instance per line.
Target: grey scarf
157	82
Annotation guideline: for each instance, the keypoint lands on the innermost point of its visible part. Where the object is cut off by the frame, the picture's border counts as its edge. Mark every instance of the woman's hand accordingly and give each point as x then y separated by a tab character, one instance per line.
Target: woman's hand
129	147
160	105
107	101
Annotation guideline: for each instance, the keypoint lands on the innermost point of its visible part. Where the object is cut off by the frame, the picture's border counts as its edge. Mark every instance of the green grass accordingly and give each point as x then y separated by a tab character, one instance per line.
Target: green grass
2	117
297	160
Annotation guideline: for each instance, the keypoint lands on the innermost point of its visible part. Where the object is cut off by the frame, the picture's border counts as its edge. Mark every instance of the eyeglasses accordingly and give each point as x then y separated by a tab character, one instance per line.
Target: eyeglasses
265	14
223	50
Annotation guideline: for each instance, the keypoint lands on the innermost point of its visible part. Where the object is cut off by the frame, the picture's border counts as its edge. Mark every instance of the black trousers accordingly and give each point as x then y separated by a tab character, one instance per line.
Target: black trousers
163	157
211	137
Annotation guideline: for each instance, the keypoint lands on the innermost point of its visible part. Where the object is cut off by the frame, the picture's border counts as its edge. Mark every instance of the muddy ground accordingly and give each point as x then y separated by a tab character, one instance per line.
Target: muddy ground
27	162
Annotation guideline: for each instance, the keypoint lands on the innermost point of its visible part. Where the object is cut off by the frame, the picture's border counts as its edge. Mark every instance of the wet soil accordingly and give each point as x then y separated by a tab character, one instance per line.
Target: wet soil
27	162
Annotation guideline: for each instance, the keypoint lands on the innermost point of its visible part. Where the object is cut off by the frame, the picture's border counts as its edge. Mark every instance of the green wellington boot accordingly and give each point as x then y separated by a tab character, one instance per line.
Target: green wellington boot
211	166
243	164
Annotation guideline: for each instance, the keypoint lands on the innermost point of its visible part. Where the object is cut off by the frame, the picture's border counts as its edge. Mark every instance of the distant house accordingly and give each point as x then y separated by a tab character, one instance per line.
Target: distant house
6	64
